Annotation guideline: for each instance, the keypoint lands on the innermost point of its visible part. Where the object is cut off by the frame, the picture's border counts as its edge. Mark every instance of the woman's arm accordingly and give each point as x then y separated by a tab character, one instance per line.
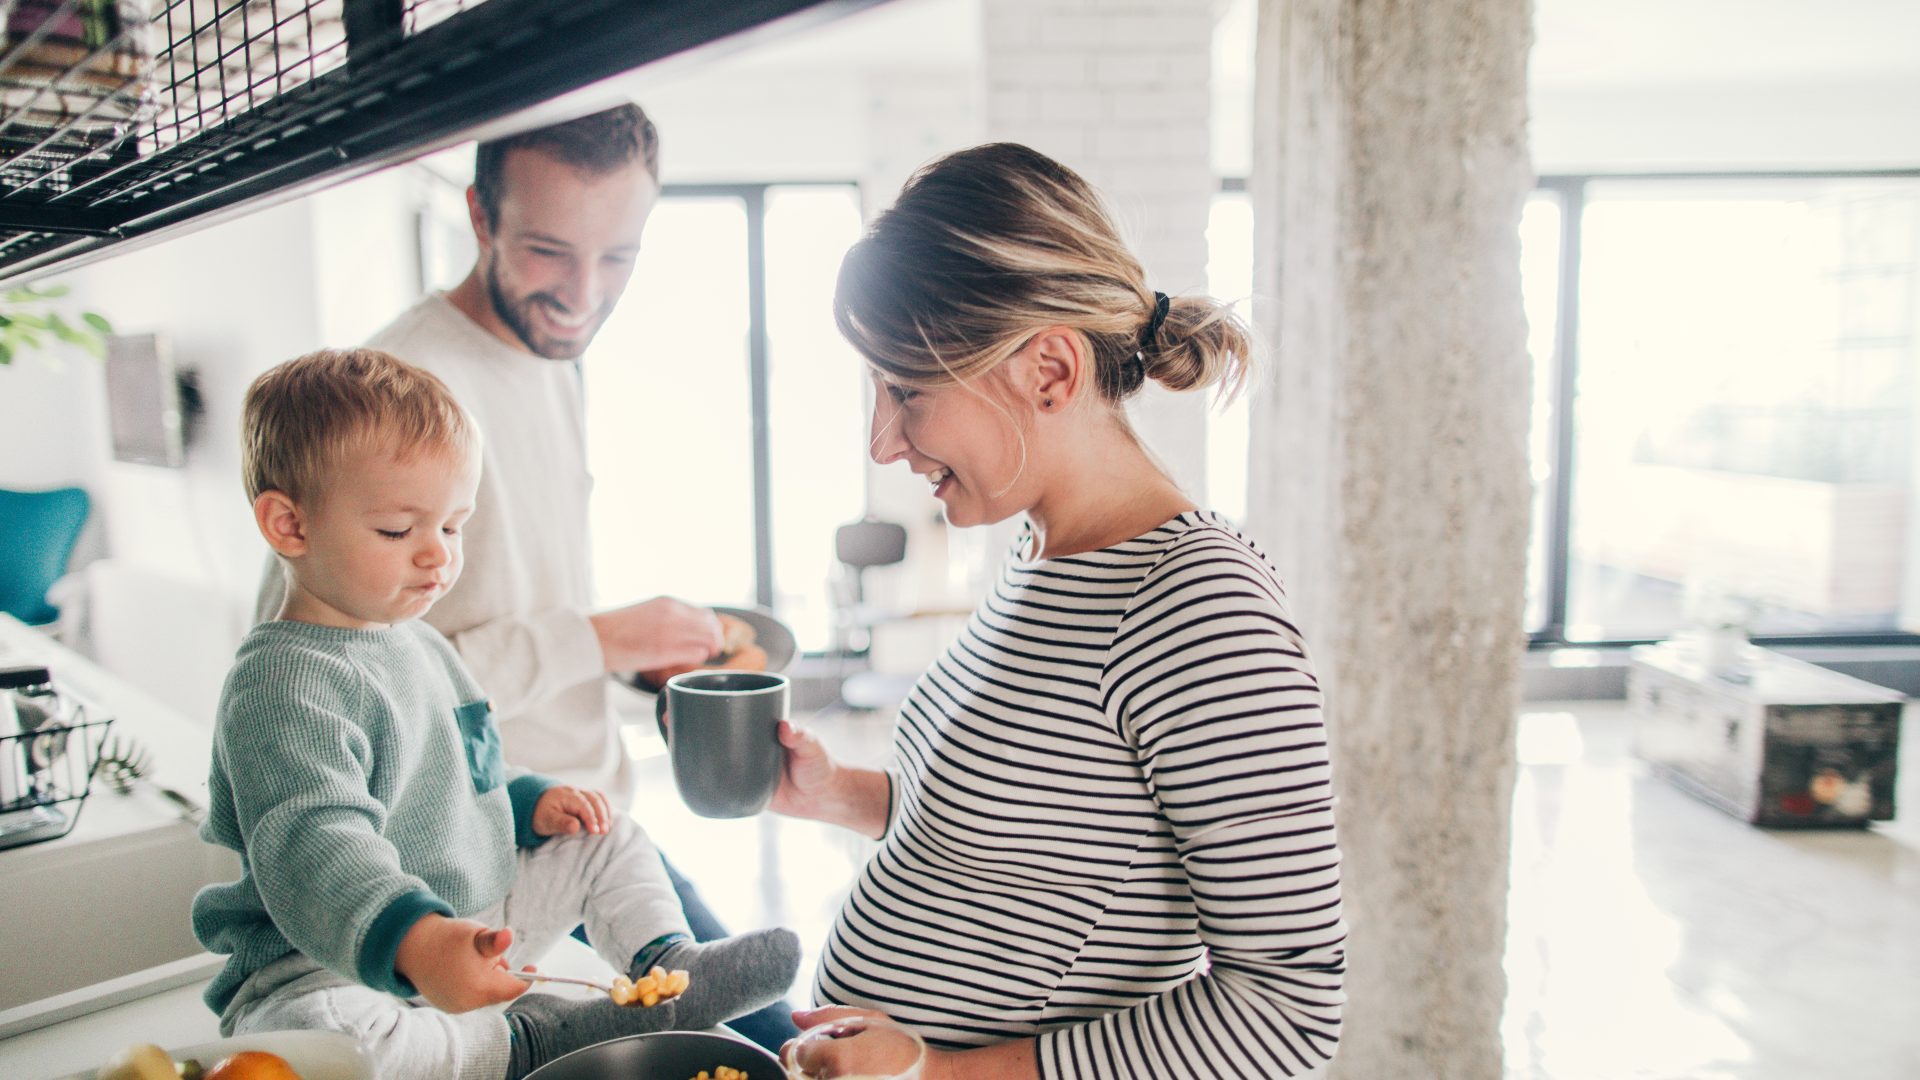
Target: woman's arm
815	786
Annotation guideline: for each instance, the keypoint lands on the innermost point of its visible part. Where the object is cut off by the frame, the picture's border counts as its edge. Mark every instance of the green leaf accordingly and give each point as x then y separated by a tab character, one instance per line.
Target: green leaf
6	353
96	346
98	322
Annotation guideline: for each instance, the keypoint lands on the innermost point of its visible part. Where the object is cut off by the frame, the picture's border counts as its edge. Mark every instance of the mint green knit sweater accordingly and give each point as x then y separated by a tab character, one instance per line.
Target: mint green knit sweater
358	774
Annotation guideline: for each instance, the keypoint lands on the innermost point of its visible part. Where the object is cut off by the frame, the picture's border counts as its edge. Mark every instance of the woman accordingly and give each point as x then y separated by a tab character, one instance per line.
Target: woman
1108	842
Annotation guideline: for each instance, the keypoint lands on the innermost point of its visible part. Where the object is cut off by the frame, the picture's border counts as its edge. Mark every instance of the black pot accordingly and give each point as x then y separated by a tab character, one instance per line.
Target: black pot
663	1055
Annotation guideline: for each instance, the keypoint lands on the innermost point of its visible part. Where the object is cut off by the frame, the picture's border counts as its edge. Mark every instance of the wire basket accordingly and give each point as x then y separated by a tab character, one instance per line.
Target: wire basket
46	775
76	82
90	89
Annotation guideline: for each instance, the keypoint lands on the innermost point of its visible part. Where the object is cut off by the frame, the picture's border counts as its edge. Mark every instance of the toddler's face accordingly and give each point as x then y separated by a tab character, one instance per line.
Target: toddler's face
383	543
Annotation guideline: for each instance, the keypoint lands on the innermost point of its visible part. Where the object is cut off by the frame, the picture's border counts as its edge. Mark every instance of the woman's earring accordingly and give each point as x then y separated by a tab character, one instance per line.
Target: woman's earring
1047	403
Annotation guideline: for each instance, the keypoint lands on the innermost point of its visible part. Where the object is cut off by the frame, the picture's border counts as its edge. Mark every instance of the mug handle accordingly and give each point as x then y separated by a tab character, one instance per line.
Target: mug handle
660	716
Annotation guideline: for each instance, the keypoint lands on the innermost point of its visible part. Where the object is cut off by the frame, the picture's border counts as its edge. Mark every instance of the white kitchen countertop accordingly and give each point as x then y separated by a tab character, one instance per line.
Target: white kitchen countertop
174	1016
110	898
97	943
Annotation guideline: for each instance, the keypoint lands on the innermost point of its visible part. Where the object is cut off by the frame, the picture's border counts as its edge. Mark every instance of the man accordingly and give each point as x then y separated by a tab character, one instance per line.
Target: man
558	215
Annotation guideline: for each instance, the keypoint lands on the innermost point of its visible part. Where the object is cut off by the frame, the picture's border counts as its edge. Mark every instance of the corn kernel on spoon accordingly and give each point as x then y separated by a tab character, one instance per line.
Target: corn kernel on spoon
649	990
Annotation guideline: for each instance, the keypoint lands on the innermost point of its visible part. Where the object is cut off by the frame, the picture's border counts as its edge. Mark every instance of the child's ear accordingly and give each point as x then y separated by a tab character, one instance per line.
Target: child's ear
280	522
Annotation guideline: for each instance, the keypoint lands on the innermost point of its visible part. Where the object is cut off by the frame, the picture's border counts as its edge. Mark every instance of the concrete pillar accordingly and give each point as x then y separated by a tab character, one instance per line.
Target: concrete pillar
1389	477
1119	91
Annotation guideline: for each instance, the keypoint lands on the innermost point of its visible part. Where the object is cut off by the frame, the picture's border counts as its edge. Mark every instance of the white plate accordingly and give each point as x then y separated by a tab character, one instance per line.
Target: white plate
315	1055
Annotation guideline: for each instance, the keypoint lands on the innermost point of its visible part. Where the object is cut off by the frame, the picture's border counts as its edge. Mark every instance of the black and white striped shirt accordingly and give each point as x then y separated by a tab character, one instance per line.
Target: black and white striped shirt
1113	825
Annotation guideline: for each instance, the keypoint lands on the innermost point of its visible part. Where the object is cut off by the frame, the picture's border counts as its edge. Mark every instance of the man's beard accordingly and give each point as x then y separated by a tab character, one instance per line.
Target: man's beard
518	315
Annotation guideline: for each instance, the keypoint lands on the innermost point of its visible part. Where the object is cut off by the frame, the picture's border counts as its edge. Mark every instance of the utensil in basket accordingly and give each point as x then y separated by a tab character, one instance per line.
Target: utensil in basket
122	762
125	761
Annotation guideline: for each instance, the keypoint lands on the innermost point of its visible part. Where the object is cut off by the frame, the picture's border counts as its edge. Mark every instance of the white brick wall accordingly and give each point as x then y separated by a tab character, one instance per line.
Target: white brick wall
911	118
1119	90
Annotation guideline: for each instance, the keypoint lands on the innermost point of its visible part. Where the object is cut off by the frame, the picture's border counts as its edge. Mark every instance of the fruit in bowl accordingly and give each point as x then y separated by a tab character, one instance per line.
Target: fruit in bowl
145	1061
252	1065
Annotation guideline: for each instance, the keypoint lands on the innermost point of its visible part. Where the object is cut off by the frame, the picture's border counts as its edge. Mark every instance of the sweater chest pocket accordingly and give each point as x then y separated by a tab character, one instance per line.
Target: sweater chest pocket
481	737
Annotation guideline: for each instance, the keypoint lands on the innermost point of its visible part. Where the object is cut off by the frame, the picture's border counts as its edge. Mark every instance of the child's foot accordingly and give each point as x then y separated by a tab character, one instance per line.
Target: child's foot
730	977
545	1026
727	978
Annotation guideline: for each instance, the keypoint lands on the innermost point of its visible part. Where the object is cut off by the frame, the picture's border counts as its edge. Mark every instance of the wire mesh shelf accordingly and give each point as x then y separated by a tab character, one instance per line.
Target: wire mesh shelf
46	775
125	118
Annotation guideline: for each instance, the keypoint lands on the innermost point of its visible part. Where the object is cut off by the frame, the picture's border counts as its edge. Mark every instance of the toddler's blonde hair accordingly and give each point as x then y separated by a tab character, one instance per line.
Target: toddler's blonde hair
301	418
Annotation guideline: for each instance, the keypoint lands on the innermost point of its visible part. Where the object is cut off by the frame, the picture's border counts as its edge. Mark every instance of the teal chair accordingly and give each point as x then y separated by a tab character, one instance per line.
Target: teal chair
37	532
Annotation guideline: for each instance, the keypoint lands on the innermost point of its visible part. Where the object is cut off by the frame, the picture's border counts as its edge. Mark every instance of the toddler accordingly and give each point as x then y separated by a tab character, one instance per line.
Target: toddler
386	848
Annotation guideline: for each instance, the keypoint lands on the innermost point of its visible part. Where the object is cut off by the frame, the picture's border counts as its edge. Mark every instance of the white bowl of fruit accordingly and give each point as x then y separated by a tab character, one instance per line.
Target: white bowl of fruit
272	1055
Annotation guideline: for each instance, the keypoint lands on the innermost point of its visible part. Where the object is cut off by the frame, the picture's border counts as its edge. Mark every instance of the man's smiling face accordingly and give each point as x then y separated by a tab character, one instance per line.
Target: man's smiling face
560	249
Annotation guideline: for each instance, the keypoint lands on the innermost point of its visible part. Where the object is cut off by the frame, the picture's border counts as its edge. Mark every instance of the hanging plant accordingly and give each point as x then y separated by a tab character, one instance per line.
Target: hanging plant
29	319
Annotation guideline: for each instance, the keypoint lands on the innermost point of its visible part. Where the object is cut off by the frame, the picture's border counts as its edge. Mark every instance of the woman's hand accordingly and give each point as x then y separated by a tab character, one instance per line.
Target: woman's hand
807	782
814	786
848	1056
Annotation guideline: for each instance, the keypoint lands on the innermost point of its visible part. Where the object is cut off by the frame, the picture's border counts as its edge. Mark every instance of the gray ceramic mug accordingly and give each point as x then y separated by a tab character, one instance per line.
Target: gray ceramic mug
722	730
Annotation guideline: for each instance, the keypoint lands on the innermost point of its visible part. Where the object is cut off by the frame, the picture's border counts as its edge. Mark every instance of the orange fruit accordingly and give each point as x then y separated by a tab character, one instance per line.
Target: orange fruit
252	1065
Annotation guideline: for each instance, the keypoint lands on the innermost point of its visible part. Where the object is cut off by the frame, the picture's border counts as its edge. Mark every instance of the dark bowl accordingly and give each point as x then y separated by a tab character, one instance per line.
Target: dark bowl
664	1055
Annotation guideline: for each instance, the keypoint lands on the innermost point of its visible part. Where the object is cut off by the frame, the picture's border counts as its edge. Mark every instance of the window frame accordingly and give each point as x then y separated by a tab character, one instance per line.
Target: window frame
1570	189
753	197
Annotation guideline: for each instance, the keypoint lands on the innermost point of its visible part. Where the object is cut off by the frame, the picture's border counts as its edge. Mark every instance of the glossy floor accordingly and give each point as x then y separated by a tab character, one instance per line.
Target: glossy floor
1651	936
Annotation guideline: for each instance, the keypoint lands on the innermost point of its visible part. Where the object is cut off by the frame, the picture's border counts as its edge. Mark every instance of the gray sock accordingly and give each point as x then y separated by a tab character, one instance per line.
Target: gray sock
545	1026
730	977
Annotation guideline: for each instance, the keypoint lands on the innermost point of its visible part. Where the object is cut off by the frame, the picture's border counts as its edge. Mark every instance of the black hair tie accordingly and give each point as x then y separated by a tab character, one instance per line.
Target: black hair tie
1133	370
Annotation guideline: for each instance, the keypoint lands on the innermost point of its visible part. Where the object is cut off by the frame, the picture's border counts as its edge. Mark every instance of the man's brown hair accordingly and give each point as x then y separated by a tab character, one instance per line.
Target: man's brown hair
599	144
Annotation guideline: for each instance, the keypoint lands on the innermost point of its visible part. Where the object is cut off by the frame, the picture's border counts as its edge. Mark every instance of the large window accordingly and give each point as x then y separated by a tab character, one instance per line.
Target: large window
725	416
1724	403
669	417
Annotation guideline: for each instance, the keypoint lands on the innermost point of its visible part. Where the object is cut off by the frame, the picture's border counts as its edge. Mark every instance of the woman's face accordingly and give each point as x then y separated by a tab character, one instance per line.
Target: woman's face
964	439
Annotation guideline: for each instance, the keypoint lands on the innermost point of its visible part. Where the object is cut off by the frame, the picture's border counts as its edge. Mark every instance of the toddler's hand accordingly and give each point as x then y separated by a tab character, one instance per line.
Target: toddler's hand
458	964
564	810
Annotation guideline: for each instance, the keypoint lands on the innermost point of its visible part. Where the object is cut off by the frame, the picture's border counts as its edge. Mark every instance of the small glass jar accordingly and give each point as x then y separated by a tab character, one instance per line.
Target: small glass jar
28	701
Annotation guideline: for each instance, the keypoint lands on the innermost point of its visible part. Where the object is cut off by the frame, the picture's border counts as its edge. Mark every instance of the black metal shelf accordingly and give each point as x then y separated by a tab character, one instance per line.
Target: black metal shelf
139	129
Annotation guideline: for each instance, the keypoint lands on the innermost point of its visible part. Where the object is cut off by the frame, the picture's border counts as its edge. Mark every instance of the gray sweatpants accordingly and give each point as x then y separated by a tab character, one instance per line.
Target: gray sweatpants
614	883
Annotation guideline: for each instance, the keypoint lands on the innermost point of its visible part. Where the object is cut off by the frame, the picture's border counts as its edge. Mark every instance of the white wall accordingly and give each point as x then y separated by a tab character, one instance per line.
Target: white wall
47	421
760	125
181	556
